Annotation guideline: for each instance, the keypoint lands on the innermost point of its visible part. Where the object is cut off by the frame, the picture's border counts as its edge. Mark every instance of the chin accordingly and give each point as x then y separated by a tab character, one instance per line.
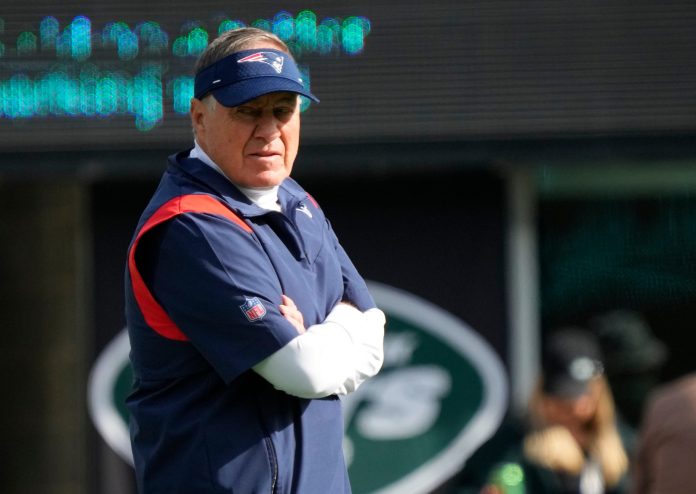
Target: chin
272	178
266	181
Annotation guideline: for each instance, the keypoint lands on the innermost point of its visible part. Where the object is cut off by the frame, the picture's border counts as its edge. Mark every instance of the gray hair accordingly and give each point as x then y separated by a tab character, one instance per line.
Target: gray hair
236	40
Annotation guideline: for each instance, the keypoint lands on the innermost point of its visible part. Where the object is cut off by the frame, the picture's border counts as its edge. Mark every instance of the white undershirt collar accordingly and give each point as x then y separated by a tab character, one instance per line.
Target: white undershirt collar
264	197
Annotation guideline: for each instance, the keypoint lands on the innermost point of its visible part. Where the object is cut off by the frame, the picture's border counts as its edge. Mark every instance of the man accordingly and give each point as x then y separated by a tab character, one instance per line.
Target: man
245	315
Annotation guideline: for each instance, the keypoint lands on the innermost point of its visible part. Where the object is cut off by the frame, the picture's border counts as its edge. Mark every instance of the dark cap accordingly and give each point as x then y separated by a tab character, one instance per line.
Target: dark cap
248	74
571	357
628	343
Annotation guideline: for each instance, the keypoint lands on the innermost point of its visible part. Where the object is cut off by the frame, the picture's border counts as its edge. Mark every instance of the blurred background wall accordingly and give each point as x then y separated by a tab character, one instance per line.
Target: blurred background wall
521	165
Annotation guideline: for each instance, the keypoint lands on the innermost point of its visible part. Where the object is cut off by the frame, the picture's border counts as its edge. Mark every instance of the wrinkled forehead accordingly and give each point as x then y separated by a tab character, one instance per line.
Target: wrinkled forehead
275	98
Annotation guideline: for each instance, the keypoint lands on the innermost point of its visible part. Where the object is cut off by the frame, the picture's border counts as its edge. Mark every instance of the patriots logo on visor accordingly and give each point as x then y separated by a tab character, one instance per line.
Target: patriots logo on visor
272	59
253	309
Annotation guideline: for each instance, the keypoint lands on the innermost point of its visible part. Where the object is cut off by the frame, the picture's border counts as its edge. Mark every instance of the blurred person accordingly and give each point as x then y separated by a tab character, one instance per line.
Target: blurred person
667	441
633	358
570	442
246	317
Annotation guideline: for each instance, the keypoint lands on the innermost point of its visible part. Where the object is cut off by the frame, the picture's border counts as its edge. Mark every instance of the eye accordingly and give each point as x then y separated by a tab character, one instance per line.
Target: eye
284	112
248	111
285	109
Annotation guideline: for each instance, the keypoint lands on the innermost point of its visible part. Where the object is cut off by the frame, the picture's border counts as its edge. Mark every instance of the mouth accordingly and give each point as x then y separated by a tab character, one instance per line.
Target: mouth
264	154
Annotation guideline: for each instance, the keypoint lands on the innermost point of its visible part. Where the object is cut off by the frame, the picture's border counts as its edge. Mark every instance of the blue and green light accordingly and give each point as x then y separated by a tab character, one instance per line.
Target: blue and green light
83	83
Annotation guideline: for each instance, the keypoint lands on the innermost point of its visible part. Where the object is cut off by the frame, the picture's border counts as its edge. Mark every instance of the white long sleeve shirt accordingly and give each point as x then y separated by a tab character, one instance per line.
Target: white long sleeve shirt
333	357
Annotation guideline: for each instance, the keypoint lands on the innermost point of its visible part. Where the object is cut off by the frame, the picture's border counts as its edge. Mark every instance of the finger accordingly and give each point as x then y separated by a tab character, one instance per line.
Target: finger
288	301
292	313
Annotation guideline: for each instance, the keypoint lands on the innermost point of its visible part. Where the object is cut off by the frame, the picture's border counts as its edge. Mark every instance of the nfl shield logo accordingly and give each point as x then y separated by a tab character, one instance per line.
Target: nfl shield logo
253	309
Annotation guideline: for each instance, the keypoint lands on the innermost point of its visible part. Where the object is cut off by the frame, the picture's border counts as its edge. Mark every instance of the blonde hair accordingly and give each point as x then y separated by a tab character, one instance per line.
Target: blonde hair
554	447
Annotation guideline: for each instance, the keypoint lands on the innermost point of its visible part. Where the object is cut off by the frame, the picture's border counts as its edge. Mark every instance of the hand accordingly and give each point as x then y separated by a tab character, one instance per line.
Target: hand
292	313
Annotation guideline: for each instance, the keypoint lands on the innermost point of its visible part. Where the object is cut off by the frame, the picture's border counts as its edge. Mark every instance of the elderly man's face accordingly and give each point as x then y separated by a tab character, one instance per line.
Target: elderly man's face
255	143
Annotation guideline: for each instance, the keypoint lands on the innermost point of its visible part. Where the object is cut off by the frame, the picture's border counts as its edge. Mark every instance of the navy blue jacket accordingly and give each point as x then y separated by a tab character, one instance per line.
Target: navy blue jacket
204	281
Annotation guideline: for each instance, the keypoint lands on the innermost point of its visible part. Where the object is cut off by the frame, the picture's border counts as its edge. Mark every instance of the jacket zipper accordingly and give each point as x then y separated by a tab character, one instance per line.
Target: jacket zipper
274	463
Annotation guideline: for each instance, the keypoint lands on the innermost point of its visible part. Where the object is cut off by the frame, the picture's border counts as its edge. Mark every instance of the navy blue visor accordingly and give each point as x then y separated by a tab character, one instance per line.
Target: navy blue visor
248	74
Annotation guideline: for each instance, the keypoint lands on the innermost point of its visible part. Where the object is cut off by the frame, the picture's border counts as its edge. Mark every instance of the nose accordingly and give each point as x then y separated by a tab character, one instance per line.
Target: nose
267	127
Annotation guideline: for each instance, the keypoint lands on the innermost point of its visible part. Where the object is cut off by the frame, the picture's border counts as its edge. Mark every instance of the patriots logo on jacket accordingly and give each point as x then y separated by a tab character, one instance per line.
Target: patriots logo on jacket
302	208
272	59
253	309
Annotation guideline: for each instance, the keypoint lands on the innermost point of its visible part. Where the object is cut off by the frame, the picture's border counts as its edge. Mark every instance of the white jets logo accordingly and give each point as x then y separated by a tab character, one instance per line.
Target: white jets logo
269	58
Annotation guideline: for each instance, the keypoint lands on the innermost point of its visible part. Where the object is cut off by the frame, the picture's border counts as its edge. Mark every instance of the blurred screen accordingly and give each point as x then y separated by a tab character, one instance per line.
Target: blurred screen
121	73
114	74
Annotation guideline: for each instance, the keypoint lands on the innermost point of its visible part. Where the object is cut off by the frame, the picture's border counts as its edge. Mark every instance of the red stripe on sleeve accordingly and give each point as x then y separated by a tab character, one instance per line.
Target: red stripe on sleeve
153	313
314	201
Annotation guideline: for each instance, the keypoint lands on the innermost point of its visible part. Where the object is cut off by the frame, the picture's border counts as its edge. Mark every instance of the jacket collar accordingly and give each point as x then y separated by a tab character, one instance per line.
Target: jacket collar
289	193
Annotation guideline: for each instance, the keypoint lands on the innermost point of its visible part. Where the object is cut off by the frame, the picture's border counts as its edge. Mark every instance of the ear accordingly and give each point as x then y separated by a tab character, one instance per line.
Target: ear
198	112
